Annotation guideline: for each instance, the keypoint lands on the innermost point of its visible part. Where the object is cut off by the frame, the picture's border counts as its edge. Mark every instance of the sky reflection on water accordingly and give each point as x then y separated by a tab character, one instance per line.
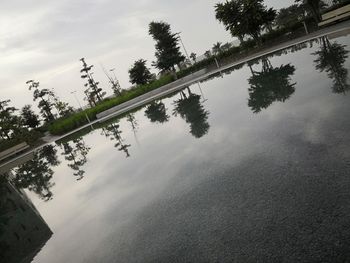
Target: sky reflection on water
253	160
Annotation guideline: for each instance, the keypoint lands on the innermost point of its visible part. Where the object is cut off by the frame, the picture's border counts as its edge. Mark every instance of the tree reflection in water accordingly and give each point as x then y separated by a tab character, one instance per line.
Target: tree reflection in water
76	153
133	122
156	112
190	108
331	58
270	85
36	174
112	131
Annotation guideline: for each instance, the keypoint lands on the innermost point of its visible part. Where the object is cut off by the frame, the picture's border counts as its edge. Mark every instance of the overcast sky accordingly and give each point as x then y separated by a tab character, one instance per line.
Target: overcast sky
44	39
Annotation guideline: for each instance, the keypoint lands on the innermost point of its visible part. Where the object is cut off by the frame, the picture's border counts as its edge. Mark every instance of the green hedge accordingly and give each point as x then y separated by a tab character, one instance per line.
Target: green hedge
76	120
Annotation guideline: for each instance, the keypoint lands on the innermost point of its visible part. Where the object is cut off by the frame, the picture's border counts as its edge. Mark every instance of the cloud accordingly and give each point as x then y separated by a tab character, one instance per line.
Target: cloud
45	39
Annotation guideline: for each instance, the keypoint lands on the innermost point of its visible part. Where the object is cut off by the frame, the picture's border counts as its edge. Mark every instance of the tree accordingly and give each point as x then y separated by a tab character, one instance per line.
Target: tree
226	46
29	118
114	133
156	112
207	54
36	174
63	108
312	6
45	105
270	85
167	49
192	111
331	58
290	15
217	48
244	17
94	93
130	118
9	123
139	74
76	155
193	56
114	81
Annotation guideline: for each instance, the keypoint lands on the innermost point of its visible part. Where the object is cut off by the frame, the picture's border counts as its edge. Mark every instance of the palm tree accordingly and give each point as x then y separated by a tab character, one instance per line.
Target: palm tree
193	56
217	48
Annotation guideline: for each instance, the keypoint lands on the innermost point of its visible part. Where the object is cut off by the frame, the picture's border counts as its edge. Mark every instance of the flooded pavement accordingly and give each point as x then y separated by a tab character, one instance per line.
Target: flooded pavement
249	165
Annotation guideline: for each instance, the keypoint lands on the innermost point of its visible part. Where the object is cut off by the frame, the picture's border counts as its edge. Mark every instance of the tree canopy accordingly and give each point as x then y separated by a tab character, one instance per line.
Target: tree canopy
156	112
139	74
244	17
9	123
331	58
270	85
29	118
45	105
167	49
289	15
93	92
192	111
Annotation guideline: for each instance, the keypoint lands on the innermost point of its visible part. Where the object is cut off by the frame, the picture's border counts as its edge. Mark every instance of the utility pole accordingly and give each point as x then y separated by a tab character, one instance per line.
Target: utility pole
86	116
183	46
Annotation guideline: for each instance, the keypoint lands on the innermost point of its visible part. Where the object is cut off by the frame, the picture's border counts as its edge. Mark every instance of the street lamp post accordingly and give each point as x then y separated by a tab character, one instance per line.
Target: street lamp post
86	116
183	46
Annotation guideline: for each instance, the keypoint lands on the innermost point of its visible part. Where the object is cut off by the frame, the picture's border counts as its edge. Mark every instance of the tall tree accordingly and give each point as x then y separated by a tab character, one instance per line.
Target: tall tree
312	6
244	17
139	74
29	118
94	93
217	48
289	15
331	58
167	49
45	105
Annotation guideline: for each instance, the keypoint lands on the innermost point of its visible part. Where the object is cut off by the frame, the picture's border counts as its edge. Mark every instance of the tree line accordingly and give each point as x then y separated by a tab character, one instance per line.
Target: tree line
241	18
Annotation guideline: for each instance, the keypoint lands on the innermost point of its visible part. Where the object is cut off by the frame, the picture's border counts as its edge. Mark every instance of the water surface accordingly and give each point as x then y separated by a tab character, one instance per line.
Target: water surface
249	165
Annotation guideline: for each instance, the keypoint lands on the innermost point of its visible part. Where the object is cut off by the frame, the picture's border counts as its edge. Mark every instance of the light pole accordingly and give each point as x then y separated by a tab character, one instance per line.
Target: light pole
183	46
112	70
76	98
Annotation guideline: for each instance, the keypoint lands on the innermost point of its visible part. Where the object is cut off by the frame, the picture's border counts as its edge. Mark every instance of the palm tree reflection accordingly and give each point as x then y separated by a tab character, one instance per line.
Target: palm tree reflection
331	58
270	85
190	108
156	112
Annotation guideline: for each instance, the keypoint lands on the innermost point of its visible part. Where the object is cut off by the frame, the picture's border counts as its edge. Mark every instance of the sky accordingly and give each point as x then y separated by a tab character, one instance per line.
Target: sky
44	40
